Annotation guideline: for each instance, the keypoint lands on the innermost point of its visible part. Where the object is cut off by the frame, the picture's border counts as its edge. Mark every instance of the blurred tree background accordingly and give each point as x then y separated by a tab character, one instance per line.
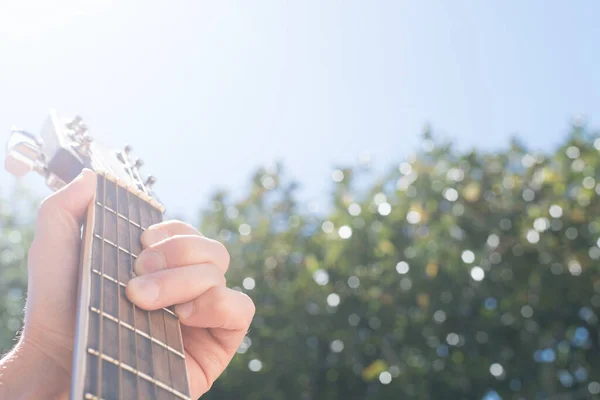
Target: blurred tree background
455	275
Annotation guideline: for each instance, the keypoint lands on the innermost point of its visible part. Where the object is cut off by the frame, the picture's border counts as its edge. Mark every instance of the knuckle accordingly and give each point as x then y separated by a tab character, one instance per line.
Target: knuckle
221	304
176	225
221	252
47	206
217	276
249	307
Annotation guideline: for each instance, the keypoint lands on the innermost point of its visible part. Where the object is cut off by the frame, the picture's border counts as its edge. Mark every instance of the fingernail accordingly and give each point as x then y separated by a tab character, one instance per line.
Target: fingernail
144	289
153	236
149	261
184	310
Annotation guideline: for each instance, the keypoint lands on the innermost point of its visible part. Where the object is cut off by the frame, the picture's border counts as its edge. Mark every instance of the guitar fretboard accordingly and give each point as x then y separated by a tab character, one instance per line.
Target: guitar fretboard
130	353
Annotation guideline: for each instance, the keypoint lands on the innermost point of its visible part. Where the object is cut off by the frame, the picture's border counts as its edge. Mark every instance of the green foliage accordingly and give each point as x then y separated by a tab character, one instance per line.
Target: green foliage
16	227
455	275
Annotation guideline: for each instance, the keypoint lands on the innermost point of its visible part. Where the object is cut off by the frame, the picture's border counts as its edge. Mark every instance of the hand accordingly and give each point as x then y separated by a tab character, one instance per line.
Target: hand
192	277
180	266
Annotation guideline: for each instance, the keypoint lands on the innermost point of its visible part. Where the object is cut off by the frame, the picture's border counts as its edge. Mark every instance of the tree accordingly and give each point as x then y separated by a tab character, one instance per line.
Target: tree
456	275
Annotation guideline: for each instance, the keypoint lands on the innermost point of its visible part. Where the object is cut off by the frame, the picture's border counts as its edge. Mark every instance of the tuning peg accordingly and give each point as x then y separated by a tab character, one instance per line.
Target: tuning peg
127	149
81	129
85	142
138	163
150	181
74	123
24	154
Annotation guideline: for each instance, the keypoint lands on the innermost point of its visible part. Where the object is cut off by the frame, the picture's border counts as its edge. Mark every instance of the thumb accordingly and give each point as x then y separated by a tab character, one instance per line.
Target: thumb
58	227
52	264
62	212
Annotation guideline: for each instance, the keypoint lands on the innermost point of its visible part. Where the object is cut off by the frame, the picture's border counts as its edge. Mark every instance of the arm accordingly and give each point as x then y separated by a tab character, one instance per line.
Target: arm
25	374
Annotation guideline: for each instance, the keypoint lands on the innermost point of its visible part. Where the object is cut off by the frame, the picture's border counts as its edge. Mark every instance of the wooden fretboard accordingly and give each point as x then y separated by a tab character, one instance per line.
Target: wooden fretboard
121	351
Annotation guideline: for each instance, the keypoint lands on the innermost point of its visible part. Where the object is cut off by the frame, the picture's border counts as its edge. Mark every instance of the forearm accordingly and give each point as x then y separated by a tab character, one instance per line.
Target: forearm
25	374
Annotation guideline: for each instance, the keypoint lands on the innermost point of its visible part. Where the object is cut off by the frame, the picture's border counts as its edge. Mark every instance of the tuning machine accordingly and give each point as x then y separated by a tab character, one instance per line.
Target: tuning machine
78	133
24	154
150	181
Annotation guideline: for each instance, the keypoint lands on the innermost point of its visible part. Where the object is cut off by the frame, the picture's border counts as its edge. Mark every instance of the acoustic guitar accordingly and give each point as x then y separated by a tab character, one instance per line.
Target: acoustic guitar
121	351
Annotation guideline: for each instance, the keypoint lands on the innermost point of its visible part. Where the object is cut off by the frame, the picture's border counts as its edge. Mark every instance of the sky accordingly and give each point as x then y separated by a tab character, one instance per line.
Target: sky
206	92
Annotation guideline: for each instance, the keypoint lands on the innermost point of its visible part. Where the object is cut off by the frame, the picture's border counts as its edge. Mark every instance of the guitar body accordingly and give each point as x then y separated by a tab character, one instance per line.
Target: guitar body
121	351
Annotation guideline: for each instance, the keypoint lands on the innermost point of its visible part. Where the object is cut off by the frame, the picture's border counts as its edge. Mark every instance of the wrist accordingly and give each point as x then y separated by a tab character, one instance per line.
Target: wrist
27	373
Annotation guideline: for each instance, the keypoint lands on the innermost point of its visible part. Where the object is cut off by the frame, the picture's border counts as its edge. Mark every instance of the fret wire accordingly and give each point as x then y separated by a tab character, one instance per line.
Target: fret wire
121	215
139	373
99	372
89	396
139	332
118	291
110	278
139	208
115	245
132	260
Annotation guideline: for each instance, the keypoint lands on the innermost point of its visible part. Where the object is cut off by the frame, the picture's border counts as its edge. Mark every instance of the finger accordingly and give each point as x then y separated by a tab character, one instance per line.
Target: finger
207	355
60	217
179	251
164	230
219	307
172	286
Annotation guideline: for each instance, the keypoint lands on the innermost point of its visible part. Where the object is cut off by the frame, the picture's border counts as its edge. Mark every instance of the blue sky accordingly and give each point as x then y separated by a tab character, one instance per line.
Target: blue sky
208	91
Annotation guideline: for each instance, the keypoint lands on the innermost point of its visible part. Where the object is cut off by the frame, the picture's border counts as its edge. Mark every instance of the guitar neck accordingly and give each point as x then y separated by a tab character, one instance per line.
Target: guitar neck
121	351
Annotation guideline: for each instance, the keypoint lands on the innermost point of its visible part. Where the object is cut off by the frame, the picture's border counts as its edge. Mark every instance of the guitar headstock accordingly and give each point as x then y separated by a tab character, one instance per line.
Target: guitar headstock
64	149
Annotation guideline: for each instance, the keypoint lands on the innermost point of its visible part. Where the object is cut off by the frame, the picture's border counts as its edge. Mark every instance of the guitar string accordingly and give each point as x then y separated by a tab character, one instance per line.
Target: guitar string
156	217
129	227
116	185
139	201
101	305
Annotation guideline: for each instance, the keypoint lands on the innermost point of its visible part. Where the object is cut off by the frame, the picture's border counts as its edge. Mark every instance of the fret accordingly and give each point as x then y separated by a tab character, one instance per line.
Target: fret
128	356
109	378
123	284
123	202
111	297
120	215
109	263
110	195
126	311
141	374
110	227
139	332
126	261
107	241
122	228
91	382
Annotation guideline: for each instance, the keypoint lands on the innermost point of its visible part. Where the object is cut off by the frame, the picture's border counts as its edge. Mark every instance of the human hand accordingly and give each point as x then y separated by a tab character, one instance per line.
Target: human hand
180	267
191	277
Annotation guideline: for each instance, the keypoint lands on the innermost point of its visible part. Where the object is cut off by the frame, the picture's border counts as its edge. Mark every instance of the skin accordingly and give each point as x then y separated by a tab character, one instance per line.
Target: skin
178	266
